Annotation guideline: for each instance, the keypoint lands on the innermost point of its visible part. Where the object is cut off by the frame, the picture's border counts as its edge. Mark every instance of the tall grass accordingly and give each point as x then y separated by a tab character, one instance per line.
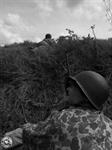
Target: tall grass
31	81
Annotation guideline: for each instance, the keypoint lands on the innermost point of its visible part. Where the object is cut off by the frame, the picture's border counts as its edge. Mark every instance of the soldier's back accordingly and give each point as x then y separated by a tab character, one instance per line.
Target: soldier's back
78	129
71	129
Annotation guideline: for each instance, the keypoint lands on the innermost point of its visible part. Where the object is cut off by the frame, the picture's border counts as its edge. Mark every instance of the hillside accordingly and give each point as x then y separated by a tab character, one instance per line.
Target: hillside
32	78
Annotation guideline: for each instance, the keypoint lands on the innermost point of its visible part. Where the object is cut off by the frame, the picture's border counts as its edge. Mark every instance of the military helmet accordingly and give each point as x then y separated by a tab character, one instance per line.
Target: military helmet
48	36
94	86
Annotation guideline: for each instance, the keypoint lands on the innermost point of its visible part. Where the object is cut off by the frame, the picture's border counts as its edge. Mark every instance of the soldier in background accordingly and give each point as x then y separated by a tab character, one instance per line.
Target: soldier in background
46	46
48	41
80	124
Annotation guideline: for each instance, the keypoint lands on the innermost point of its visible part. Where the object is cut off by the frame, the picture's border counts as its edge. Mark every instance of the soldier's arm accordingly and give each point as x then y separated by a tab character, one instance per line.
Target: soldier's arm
42	127
15	138
37	134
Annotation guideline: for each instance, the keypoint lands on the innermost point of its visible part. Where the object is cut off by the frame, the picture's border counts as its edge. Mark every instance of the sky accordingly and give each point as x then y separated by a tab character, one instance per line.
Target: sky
22	20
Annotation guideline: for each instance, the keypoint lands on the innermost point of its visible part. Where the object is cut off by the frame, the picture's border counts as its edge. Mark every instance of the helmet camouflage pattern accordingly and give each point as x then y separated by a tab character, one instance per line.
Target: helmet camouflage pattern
71	129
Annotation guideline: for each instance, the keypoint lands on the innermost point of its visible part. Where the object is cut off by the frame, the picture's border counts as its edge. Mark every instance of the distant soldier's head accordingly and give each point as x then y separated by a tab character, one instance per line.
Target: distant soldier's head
48	36
87	86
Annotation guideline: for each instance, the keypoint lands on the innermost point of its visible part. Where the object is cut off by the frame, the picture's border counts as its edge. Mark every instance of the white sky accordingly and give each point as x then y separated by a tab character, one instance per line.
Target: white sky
31	19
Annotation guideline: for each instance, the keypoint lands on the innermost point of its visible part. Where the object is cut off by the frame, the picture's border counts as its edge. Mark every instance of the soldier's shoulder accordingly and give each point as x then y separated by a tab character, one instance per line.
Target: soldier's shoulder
76	111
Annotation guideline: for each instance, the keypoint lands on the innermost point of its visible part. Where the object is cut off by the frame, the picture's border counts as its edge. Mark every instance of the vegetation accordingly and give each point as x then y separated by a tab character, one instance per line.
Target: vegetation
32	77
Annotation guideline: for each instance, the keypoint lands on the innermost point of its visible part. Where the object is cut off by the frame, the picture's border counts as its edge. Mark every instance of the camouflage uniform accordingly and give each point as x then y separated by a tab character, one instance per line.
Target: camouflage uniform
71	129
76	128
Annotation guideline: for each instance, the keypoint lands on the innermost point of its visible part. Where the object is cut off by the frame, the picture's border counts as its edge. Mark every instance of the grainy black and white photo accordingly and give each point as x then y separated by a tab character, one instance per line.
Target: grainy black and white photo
55	74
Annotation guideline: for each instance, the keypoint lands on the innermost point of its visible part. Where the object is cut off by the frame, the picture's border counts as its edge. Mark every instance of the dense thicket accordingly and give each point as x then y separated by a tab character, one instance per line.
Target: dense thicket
32	78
